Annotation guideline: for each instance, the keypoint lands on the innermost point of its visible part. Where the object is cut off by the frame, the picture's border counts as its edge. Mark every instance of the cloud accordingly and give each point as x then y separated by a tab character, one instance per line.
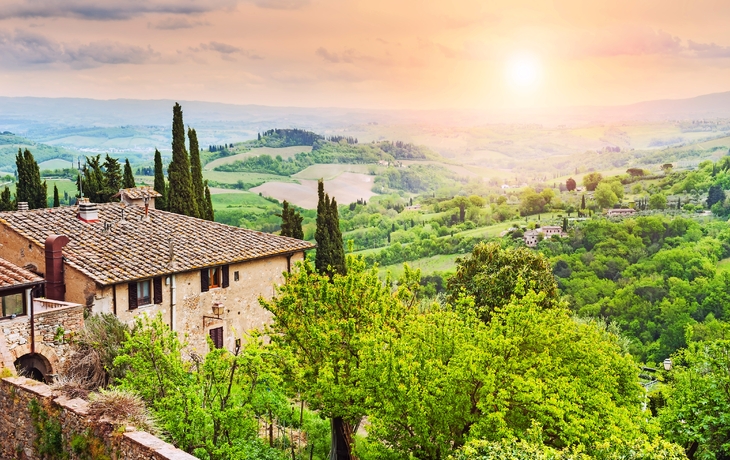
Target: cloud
330	57
708	50
281	4
227	51
29	48
175	23
108	10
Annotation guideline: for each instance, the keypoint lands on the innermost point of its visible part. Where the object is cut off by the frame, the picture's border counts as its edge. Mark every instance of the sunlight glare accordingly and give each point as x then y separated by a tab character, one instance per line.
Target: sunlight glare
523	72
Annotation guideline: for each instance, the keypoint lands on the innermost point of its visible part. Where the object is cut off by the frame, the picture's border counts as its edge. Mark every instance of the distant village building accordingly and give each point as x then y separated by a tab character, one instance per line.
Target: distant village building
532	237
203	277
620	212
414	207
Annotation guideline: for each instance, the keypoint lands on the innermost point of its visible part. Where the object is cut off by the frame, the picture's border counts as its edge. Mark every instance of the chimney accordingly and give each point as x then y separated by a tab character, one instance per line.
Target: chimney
22	205
88	212
55	285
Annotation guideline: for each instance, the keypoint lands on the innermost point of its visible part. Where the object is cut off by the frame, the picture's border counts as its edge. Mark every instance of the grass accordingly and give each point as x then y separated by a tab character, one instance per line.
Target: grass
239	200
428	265
56	163
723	265
284	152
248	178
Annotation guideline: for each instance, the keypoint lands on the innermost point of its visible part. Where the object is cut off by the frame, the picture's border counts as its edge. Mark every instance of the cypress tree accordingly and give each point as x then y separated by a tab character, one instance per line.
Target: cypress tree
196	174
6	203
161	202
180	198
583	202
112	177
291	222
56	199
29	187
209	214
331	258
128	181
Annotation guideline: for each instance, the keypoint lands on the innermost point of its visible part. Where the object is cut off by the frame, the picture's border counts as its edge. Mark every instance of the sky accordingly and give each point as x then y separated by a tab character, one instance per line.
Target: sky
378	54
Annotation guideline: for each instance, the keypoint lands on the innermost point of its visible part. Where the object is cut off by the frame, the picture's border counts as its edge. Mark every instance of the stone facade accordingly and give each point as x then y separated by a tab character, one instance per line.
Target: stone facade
54	325
101	438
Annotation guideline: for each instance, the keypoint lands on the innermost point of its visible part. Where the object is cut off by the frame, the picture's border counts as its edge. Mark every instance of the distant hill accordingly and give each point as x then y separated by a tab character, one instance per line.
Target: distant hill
10	143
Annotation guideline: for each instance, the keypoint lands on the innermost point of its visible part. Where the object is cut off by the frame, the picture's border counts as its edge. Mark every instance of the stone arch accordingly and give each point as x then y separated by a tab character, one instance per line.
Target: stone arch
45	359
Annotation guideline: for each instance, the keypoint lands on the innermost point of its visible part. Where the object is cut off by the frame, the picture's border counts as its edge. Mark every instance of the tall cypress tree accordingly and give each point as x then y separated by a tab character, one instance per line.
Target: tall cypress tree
180	198
56	199
160	187
196	173
583	202
209	215
6	202
291	222
128	180
29	187
330	258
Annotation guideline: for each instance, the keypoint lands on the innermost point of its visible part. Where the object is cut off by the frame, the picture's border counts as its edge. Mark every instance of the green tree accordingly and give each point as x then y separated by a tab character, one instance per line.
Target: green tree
490	276
112	177
321	324
93	180
591	180
443	378
6	201
29	187
181	198
210	214
128	180
330	257
291	222
196	174
159	185
582	202
715	195
570	184
56	199
697	400
658	201
605	196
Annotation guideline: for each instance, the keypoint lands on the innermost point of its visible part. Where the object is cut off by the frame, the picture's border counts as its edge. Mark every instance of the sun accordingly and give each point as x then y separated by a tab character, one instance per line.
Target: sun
523	72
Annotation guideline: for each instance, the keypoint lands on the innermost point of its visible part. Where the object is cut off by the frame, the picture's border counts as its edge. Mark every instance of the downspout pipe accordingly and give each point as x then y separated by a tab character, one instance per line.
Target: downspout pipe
55	284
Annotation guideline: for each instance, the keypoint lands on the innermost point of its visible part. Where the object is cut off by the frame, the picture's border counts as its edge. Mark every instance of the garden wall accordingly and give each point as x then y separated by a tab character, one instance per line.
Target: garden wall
34	424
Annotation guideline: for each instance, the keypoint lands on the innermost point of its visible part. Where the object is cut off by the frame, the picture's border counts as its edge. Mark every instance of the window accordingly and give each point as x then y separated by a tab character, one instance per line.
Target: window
143	293
13	305
140	293
214	277
216	335
235	276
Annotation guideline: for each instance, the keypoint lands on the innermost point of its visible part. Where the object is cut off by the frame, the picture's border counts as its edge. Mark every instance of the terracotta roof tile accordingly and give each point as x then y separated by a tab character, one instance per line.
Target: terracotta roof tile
113	250
139	193
13	276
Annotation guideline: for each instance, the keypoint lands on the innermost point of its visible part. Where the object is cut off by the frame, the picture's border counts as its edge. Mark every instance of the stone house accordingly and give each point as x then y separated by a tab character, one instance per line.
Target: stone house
34	332
620	212
203	277
531	237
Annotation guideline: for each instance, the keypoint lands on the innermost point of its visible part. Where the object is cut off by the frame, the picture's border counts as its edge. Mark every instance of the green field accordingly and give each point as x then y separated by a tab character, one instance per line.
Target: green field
427	265
238	200
284	152
249	178
56	163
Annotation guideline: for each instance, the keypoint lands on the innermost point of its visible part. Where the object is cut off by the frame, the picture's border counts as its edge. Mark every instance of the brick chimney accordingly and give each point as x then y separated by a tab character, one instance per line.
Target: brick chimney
55	284
22	205
88	212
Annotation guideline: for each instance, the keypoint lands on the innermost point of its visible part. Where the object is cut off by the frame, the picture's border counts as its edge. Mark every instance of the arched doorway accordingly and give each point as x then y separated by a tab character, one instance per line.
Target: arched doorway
34	366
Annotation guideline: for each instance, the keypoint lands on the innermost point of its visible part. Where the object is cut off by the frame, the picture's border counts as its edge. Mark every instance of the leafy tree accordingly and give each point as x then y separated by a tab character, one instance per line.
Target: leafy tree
604	195
570	184
128	180
291	222
715	195
322	323
159	185
591	180
330	257
196	174
490	275
6	201
531	202
667	167
29	187
443	378
56	199
93	180
697	400
658	201
635	172
181	197
112	177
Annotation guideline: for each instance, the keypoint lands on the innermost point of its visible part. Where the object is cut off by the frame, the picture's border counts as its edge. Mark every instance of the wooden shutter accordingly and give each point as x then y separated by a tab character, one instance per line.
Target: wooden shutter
157	290
216	335
204	281
224	272
132	295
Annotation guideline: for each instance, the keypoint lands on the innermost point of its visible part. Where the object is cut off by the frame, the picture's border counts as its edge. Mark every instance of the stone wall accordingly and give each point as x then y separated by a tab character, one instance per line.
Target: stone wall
53	330
82	437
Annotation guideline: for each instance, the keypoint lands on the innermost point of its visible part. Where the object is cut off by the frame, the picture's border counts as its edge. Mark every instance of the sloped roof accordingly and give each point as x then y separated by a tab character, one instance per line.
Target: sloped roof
12	276
113	250
139	193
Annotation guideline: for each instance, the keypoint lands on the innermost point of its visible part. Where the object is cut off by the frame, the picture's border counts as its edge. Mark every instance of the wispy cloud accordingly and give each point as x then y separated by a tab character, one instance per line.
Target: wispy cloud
281	4
107	10
226	51
175	23
29	48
